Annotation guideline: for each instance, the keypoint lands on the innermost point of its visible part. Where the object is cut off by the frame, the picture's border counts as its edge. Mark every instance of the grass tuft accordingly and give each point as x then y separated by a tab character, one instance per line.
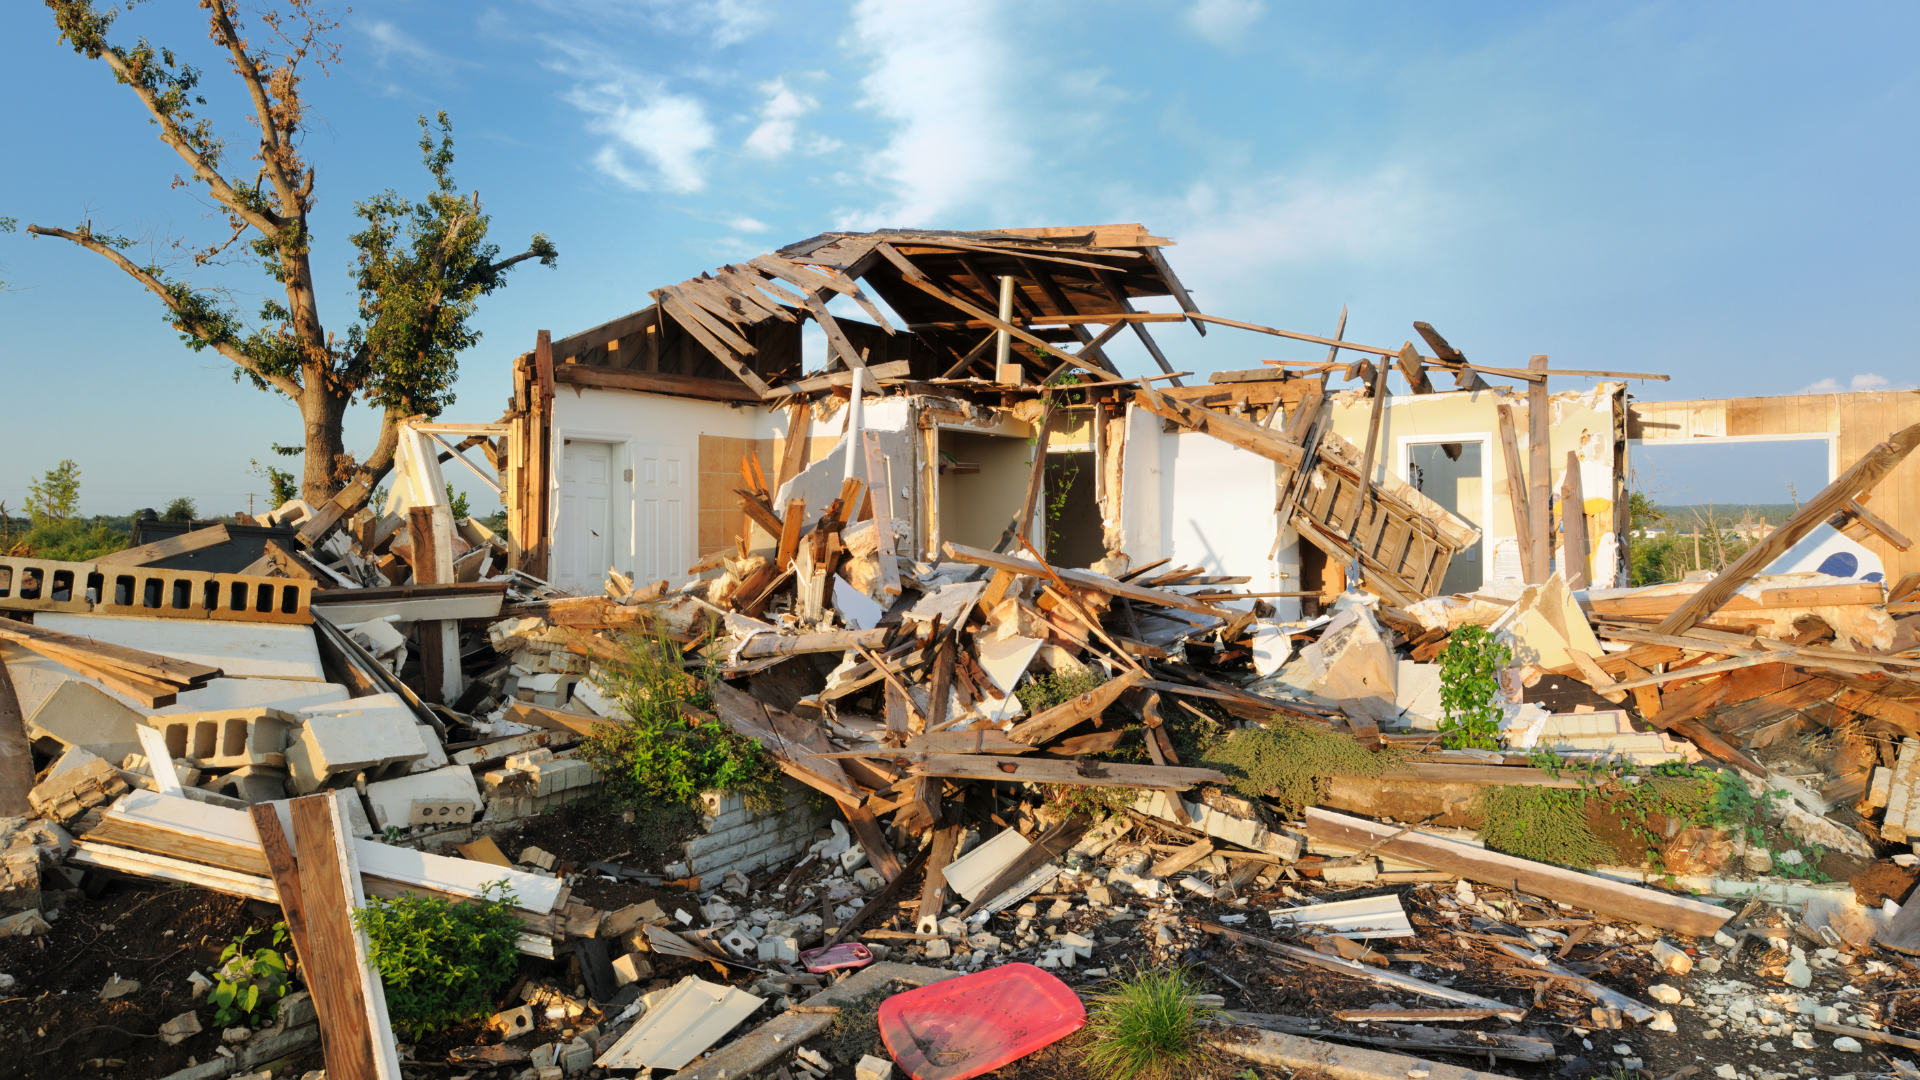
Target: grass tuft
1148	1027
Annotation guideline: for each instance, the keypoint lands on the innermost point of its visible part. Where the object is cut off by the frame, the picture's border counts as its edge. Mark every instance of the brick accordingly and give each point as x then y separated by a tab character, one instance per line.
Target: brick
228	738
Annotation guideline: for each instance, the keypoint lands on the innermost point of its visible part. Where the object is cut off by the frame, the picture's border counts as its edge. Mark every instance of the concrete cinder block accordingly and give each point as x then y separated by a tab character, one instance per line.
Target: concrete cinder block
228	738
81	714
347	737
393	800
631	968
252	783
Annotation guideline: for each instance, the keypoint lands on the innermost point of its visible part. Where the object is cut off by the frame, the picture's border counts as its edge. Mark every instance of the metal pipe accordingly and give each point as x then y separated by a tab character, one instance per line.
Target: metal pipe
855	419
1003	341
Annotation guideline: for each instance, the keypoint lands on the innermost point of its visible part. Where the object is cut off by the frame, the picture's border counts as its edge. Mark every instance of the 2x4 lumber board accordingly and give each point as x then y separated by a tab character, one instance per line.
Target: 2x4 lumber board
1893	825
1857	480
1059	320
1464	376
1372	974
1229	429
1116	289
1885	531
193	540
1175	286
286	883
1080	773
653	383
1539	486
1084	579
157	667
1075	710
1314	1057
1805	596
933	893
327	893
873	840
825	641
1049	846
880	484
1630	902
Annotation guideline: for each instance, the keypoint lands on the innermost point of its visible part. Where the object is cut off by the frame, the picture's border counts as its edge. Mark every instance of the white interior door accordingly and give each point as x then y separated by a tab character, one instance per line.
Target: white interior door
662	523
586	516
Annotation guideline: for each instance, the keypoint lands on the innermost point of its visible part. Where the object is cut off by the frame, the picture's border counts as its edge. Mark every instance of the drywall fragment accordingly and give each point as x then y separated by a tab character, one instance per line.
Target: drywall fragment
1543	624
1350	667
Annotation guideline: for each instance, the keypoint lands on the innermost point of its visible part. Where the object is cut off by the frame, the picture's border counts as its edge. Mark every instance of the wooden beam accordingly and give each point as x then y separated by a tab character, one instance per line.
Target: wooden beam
1539	487
933	893
1629	902
327	889
1517	496
148	554
866	829
1413	370
1573	525
1085	579
1867	517
1057	320
1119	293
1367	452
1861	477
648	382
1174	285
1228	429
1055	721
1464	376
790	532
1081	773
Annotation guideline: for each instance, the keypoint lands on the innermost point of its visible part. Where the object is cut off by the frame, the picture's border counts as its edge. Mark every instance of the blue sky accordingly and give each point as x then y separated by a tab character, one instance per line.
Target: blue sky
1722	192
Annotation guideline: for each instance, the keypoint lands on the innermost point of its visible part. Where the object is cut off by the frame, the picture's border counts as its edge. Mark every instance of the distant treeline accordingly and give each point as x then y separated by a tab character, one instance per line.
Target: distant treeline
1725	513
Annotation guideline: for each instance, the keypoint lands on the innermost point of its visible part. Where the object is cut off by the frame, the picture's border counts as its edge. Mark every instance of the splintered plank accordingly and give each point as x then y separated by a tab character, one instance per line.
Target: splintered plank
1078	773
1061	717
334	977
933	894
866	828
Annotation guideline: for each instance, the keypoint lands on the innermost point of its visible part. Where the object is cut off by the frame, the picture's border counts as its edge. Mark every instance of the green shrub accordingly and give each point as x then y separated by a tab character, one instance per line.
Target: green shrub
1544	824
441	962
248	986
1042	692
71	539
1470	689
658	754
1148	1027
1291	761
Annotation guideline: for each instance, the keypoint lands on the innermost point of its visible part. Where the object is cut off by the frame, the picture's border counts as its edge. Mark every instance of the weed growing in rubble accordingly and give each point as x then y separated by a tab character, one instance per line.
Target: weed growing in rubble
442	962
1291	762
1470	689
1042	692
1652	807
1147	1027
249	985
670	751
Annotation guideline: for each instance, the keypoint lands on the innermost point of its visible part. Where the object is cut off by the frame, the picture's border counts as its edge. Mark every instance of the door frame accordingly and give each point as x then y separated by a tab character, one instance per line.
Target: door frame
620	502
1404	445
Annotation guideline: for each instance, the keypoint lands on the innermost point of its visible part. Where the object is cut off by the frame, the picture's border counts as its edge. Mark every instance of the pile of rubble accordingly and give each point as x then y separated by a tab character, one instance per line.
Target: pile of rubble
1008	781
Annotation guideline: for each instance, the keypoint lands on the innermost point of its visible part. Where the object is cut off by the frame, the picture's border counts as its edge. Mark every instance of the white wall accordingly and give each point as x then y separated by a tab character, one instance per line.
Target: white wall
628	420
1201	502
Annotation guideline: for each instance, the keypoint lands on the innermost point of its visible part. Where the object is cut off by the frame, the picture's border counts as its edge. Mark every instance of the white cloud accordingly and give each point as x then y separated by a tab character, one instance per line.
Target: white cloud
666	131
937	76
1860	382
1265	225
747	224
1223	21
388	42
773	138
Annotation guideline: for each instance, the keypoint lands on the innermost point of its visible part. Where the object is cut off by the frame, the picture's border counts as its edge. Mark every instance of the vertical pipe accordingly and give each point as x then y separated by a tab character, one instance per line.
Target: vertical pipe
1003	341
855	419
1100	464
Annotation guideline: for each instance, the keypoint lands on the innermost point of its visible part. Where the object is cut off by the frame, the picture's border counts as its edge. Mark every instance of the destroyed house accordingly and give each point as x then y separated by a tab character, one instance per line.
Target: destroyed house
668	438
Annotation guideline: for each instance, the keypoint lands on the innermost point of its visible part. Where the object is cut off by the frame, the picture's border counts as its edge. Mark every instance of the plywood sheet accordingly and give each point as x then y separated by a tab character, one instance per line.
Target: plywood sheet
241	650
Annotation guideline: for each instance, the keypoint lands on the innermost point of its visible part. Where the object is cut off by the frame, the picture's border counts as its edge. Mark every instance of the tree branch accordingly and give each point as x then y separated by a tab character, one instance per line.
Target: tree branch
86	239
271	143
202	168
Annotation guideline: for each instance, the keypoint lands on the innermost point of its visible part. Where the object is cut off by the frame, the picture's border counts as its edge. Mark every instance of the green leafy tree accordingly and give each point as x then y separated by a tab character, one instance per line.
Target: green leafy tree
419	267
55	497
180	509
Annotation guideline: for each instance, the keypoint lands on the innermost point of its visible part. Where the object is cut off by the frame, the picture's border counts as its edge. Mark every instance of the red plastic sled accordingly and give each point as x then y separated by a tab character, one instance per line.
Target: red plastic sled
977	1023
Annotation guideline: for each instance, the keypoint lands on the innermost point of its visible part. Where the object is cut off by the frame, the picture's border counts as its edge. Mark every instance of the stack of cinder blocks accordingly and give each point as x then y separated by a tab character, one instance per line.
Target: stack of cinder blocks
736	838
532	781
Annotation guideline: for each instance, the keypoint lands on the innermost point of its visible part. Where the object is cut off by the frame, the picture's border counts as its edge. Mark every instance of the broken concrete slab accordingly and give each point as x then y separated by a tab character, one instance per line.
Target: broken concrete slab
80	714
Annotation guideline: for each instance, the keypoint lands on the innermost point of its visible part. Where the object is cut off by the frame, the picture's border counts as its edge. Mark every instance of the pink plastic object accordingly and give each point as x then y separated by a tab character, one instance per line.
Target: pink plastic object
852	954
977	1023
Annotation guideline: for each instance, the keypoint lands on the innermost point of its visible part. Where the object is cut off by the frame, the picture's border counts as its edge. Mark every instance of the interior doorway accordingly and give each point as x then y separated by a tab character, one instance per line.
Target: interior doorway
1452	471
1075	536
982	483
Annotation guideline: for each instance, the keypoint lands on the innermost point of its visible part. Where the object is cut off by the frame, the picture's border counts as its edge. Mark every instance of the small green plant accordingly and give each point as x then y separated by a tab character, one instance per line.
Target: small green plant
249	985
662	754
442	962
1291	762
461	511
393	836
1470	689
1042	692
1147	1027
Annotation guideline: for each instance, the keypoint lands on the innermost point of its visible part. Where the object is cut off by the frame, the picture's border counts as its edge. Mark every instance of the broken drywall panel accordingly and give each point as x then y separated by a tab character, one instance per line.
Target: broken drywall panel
679	1027
1350	666
1543	624
81	714
1372	917
1417	695
819	483
239	650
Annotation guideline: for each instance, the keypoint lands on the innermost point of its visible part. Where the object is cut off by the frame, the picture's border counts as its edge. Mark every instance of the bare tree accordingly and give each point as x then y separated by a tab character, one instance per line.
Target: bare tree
420	266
